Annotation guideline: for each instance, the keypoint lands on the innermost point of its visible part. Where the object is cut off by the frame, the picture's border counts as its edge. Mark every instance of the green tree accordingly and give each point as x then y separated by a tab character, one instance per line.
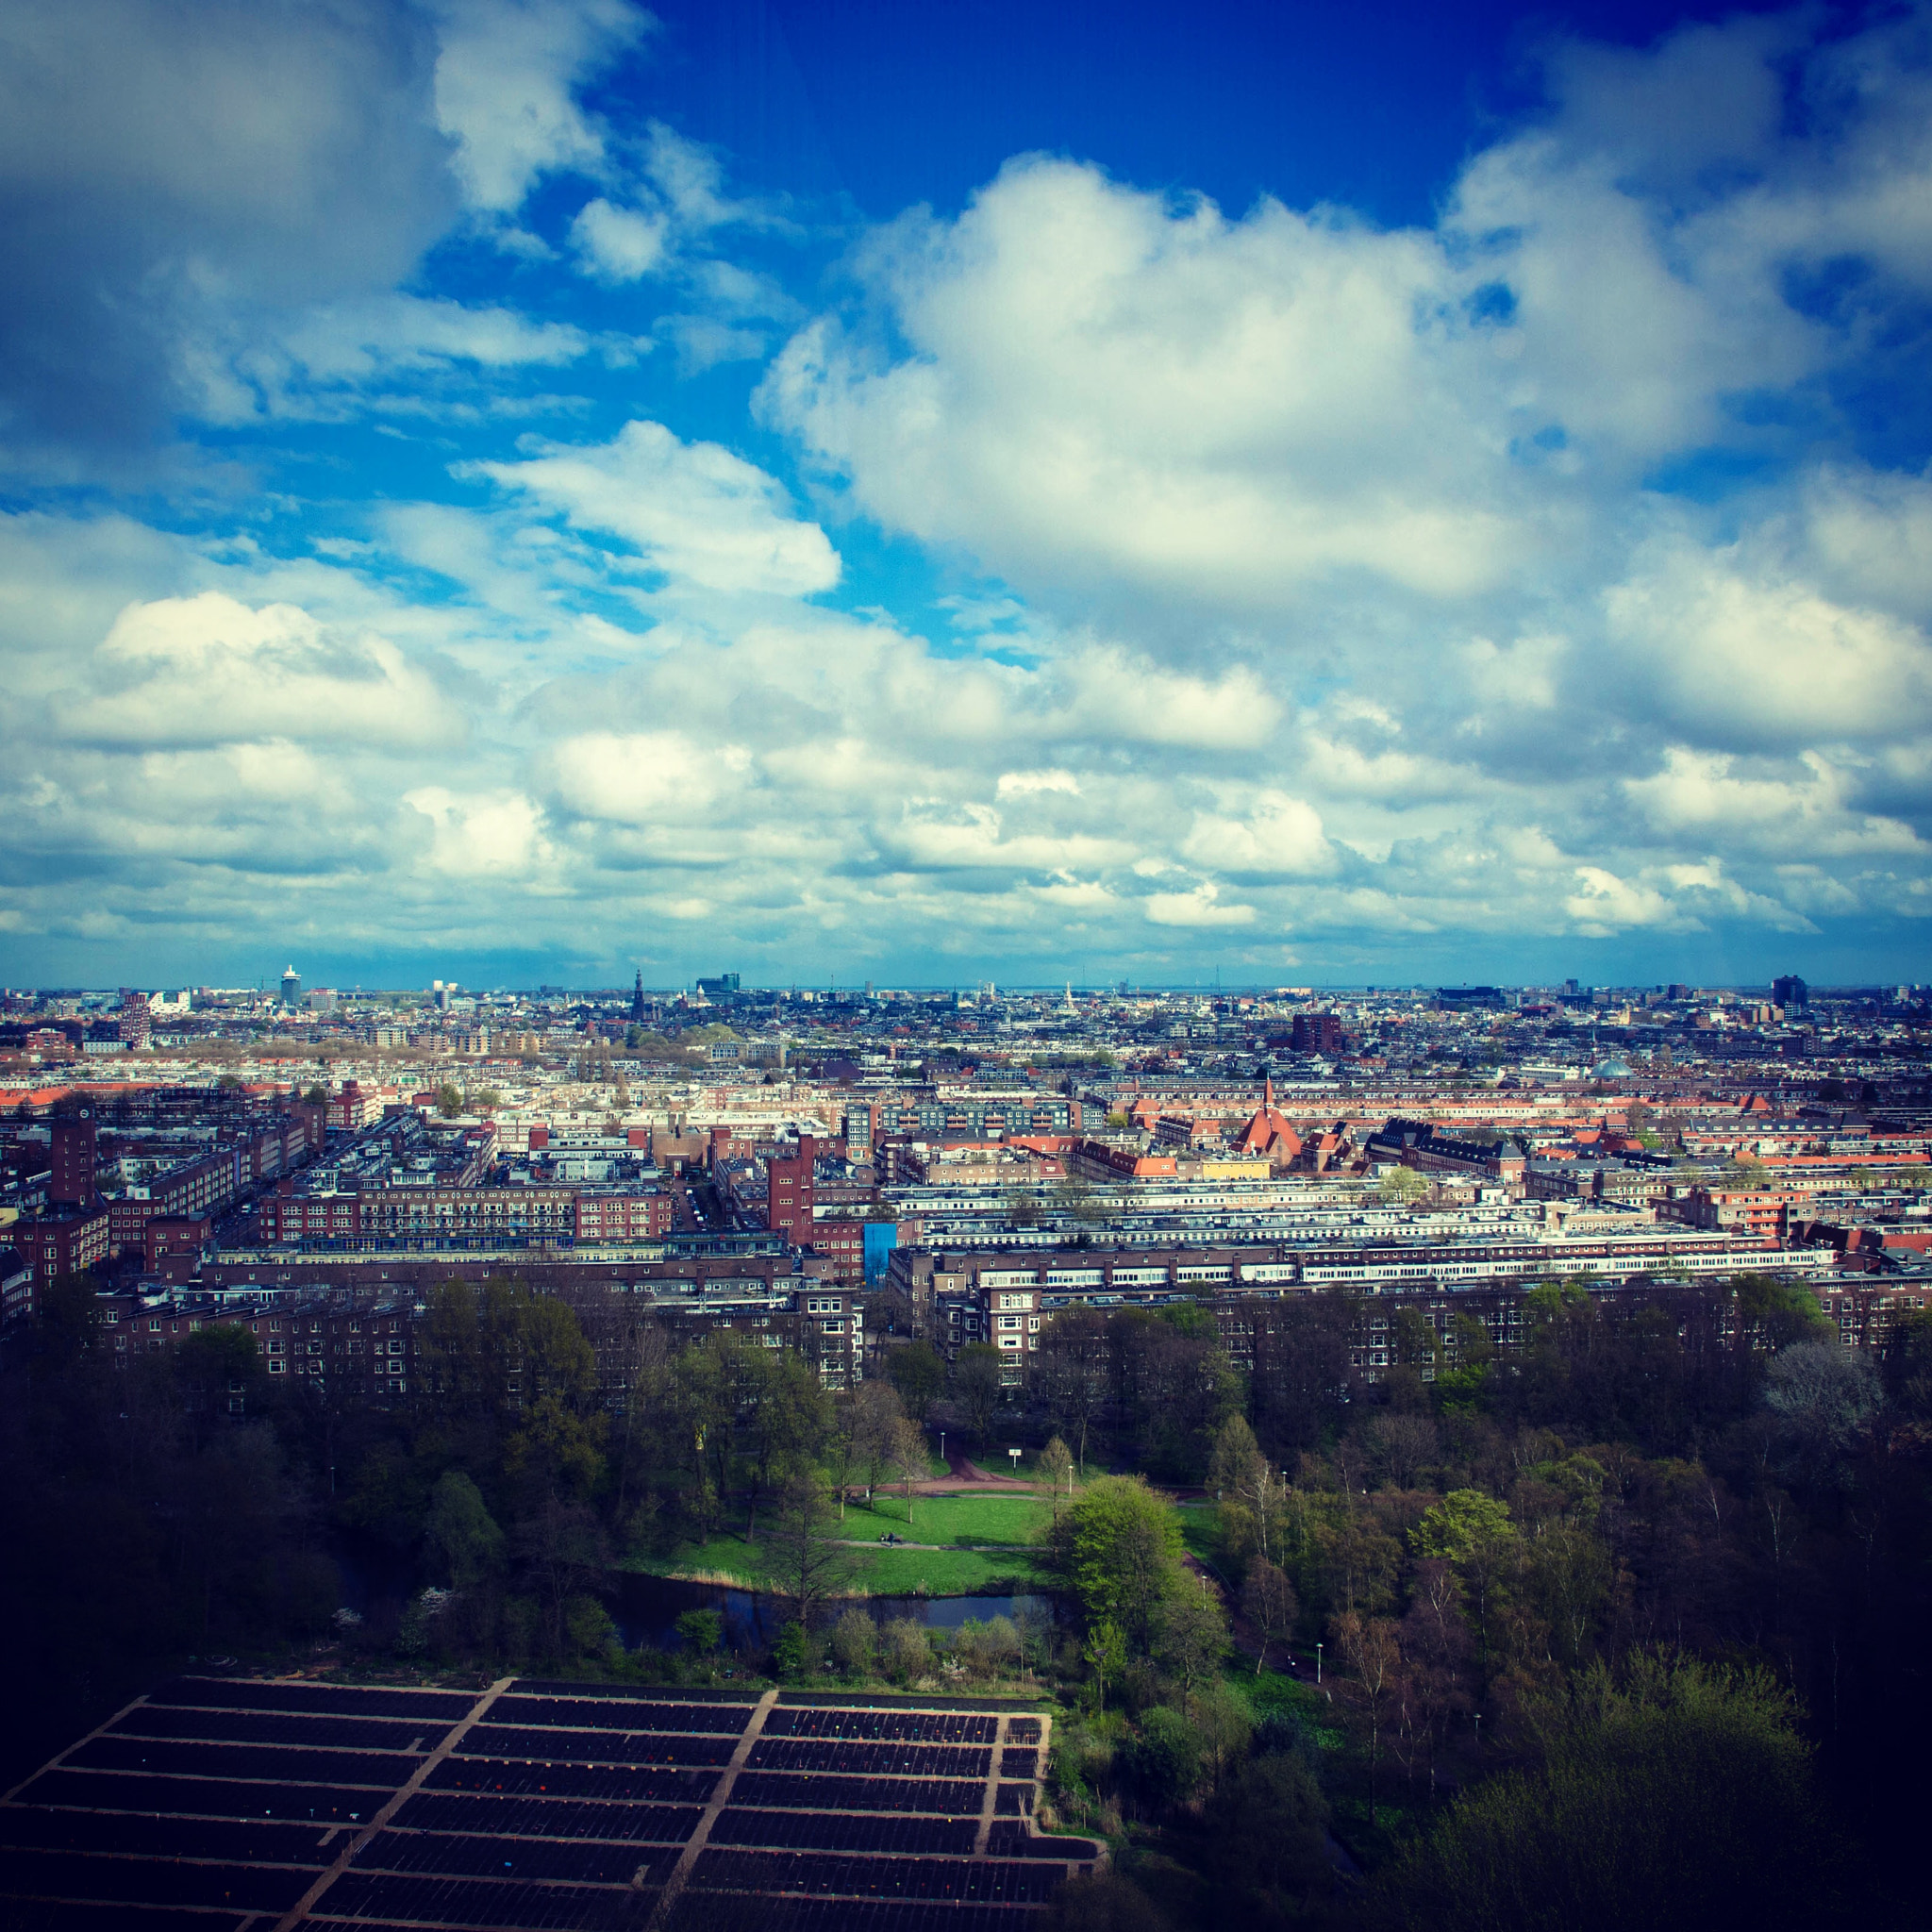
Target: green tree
1118	1548
462	1532
1678	1794
1104	1654
1055	1467
449	1100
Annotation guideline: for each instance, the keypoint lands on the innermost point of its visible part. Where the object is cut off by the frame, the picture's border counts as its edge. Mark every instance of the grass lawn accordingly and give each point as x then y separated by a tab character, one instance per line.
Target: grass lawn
1008	1517
1199	1533
873	1569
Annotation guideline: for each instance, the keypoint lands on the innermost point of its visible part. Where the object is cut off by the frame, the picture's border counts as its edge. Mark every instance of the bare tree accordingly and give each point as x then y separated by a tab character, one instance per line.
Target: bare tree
908	1457
808	1562
1269	1602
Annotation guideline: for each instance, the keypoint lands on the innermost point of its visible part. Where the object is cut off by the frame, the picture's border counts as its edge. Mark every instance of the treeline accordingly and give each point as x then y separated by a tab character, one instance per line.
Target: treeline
1619	1629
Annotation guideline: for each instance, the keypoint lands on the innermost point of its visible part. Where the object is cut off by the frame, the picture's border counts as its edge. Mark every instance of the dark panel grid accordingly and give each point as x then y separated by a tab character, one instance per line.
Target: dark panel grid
1008	1840
472	1902
162	1837
911	1726
353	1700
1020	1764
571	1781
503	1817
724	1911
831	1832
871	1760
608	1714
1023	1730
1014	1798
108	1790
149	1881
173	1759
279	1727
596	1747
471	1856
71	1916
969	1879
800	1791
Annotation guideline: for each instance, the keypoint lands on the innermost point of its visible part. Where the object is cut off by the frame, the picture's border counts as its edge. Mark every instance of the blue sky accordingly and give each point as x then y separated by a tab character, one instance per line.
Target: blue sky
529	491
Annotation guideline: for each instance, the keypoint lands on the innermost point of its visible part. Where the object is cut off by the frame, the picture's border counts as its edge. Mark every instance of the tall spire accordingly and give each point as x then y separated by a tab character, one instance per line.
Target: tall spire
1268	1093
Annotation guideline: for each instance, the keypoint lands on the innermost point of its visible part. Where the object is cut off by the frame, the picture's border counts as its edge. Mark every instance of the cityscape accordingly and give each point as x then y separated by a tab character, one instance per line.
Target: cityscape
964	969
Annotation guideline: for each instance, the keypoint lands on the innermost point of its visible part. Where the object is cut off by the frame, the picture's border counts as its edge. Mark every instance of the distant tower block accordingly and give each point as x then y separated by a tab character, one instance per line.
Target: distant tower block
291	987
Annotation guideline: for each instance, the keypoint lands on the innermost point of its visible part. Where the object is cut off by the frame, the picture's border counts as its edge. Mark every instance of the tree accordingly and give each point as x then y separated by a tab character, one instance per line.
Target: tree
461	1531
877	1415
918	1374
449	1100
1118	1547
1069	1373
1055	1466
908	1455
1269	1602
808	1563
1191	1631
1399	1186
976	1388
1678	1793
1372	1650
1104	1654
1267	1842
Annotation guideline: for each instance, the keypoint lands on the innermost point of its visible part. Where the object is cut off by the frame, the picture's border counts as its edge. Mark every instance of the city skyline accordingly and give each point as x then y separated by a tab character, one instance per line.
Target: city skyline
538	492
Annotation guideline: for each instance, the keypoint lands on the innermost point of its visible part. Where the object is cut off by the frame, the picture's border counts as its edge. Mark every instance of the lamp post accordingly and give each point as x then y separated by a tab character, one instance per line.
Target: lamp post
942	1450
1318	1663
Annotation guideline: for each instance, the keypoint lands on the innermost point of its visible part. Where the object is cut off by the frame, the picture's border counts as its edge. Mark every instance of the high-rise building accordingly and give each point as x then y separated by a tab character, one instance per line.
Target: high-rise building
1789	990
291	987
72	1182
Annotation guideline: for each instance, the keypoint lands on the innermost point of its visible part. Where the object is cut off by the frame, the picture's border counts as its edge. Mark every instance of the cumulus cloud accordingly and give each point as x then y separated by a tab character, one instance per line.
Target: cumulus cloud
1201	907
146	196
207	670
644	778
1555	567
505	78
1279	837
695	512
1103	385
1747	658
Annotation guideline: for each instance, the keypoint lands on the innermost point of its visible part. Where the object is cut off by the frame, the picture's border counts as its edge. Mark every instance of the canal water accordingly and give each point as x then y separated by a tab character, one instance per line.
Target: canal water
646	1609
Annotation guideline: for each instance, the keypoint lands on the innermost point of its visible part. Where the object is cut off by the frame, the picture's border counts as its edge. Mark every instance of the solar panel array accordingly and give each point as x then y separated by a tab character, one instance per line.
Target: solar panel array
242	1807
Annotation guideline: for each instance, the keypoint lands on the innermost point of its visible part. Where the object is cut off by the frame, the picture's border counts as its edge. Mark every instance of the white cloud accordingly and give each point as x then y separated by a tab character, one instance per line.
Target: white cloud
1019	784
1280	837
493	836
644	778
620	243
208	670
695	512
505	89
1200	908
1102	386
1749	657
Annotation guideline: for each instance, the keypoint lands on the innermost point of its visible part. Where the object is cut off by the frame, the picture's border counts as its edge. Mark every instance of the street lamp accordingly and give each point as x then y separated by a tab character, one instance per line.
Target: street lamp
1318	1663
943	1449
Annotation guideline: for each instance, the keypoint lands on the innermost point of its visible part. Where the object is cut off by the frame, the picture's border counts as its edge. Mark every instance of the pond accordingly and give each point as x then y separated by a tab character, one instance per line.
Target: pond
646	1609
378	1583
